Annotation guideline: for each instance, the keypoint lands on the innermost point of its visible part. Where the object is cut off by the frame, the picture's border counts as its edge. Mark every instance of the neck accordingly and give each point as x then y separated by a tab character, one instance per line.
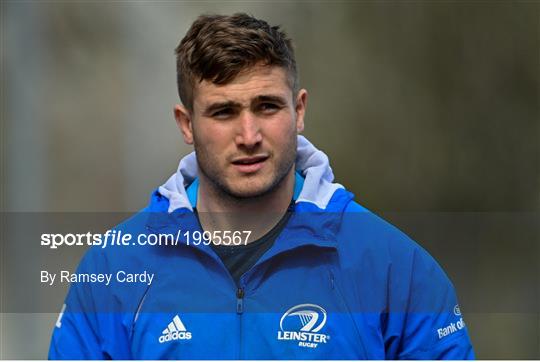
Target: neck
258	215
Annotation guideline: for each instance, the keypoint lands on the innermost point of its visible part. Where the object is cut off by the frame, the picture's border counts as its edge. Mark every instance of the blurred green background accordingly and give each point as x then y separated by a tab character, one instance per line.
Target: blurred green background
429	112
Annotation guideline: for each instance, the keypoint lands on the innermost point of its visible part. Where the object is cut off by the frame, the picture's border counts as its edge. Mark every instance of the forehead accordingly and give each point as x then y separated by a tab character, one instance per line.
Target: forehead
256	81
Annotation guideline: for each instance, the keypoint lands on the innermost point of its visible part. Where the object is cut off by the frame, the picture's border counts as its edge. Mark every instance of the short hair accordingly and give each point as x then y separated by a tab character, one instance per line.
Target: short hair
217	48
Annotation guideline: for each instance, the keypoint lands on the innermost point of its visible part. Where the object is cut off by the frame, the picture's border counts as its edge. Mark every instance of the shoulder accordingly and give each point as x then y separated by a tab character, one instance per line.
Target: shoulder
364	232
118	245
129	265
375	250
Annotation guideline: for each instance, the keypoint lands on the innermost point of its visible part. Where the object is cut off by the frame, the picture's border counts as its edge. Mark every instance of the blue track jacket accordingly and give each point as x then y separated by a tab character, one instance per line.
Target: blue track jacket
338	283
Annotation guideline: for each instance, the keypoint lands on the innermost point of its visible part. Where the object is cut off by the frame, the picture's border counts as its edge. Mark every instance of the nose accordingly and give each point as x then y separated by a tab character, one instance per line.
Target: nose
249	130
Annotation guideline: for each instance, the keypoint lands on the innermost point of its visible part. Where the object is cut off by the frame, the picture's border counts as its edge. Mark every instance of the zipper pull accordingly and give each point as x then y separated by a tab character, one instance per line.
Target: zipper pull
239	300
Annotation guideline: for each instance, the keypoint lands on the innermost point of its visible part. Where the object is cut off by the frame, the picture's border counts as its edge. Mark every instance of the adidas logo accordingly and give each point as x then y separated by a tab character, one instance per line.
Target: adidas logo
174	331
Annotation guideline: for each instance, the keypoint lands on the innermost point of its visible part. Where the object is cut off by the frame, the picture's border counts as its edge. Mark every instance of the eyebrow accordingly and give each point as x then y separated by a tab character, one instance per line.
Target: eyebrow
270	98
221	105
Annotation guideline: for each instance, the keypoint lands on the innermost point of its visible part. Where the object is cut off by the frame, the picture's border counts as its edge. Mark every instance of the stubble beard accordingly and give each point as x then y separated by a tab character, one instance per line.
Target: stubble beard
209	167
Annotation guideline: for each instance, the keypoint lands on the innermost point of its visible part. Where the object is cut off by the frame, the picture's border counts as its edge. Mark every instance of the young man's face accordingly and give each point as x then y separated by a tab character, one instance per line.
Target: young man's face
244	132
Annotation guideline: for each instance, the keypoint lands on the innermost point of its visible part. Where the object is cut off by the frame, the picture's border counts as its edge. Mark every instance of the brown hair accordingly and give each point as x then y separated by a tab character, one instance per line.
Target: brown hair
217	48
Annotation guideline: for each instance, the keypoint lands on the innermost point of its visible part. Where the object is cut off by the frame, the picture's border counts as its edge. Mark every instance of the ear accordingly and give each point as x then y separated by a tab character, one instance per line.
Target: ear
184	123
301	104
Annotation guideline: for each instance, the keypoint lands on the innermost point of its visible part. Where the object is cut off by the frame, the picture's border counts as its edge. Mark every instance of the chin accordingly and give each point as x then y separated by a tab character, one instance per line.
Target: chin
250	188
248	192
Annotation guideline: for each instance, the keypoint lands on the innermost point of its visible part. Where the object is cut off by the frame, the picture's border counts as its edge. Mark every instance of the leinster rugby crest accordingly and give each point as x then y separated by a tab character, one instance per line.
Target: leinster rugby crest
304	325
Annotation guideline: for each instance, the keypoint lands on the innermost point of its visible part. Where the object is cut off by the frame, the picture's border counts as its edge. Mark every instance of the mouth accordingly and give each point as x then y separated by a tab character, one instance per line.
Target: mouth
249	164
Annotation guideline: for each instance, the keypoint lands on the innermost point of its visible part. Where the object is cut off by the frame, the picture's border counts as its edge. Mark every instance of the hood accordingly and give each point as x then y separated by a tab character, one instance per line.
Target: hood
317	187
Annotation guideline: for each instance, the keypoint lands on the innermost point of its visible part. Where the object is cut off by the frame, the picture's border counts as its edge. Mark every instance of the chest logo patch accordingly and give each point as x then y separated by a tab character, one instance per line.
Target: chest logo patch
174	331
302	323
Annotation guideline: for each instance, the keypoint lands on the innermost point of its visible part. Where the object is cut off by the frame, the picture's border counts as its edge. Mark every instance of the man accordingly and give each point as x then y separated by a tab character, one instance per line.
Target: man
274	260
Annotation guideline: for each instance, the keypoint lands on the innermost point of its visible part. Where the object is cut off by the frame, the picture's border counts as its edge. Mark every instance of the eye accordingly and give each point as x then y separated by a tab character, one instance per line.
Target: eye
223	113
268	107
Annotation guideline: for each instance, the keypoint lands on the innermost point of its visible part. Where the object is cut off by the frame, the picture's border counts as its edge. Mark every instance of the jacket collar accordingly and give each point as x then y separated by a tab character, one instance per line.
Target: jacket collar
318	208
312	164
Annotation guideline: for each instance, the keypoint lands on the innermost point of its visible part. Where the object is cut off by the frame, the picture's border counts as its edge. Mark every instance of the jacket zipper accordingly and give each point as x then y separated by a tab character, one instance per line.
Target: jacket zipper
240	300
240	293
239	310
